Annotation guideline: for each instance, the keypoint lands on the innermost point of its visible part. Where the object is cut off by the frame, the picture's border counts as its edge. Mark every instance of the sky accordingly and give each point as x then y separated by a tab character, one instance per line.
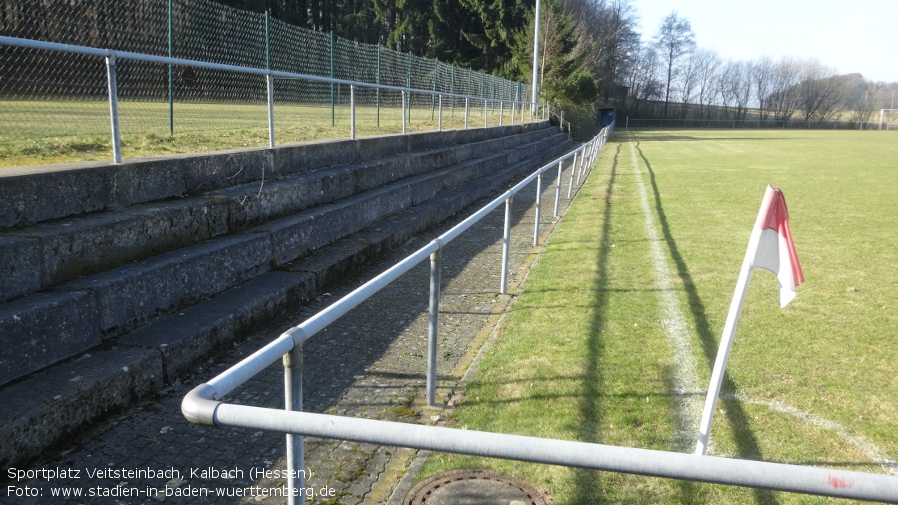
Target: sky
853	37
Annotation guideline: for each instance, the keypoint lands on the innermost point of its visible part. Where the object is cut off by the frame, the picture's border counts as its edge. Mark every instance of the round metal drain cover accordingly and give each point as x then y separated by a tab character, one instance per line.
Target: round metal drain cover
474	487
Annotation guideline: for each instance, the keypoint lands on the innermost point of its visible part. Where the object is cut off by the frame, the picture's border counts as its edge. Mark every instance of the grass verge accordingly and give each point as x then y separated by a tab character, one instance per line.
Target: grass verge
44	132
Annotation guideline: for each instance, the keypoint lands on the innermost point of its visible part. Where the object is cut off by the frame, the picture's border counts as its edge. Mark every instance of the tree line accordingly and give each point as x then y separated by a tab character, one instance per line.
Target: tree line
673	78
593	55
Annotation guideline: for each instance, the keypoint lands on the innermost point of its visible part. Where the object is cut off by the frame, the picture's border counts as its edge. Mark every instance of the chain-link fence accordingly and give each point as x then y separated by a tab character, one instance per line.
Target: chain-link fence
56	104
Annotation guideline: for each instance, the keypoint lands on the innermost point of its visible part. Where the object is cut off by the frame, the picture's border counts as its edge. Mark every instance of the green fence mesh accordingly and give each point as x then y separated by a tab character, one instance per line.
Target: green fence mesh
47	94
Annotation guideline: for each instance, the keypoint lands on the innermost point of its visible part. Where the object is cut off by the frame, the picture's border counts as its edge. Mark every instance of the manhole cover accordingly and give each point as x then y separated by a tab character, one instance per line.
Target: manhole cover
474	487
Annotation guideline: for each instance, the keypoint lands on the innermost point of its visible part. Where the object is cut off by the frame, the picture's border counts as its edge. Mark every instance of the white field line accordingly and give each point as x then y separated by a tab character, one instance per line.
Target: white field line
686	385
868	448
684	369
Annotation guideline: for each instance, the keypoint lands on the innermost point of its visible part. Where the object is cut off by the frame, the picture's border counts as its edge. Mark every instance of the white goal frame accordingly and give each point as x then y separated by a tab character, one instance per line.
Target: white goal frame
888	117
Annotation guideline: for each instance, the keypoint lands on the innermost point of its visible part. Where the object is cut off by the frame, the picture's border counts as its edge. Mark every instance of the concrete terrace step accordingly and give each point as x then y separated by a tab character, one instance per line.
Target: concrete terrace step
132	293
48	253
234	290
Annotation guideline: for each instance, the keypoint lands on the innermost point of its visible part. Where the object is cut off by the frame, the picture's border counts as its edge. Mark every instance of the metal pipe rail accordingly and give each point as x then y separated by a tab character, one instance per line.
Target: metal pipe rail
112	55
201	404
205	405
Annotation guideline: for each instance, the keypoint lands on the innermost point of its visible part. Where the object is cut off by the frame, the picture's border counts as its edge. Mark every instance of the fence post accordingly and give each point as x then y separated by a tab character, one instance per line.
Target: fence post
293	364
539	190
452	90
377	92
436	68
270	81
404	124
436	261
113	109
352	111
408	84
333	114
440	120
467	109
171	74
501	111
485	116
506	245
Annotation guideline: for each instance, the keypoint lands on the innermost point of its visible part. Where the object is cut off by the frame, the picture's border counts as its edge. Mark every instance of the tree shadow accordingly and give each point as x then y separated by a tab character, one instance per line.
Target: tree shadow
746	441
588	482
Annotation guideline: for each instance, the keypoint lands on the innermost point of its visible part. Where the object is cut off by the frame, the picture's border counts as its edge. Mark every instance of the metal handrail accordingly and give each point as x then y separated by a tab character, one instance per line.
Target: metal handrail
112	55
201	405
205	405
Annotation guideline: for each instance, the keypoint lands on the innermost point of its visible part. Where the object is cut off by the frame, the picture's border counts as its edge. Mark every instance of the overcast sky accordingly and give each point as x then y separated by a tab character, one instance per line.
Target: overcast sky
851	36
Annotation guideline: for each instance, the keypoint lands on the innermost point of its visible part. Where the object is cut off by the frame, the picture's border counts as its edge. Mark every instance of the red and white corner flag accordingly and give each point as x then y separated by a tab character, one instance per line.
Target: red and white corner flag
776	251
770	247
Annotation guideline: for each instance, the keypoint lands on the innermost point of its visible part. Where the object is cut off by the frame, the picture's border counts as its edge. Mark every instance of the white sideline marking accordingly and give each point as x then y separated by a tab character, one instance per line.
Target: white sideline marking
688	392
868	448
685	377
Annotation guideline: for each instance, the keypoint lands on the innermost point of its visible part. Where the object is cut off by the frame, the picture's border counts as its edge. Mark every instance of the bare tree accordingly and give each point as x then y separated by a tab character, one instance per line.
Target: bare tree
783	99
643	80
688	81
762	74
742	86
708	64
674	40
818	91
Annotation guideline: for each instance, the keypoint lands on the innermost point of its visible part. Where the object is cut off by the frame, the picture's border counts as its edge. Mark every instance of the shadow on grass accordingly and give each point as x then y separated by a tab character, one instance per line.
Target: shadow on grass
588	482
746	441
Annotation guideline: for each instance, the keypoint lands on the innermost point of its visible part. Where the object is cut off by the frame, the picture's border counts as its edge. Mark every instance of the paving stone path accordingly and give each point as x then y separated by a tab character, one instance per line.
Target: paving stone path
369	364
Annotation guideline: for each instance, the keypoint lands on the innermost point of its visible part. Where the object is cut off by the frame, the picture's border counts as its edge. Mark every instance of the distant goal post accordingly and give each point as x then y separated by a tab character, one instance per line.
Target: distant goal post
888	119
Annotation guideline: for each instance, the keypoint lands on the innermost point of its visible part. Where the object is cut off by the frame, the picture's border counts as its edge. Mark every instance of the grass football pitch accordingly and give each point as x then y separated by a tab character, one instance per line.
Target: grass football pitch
614	336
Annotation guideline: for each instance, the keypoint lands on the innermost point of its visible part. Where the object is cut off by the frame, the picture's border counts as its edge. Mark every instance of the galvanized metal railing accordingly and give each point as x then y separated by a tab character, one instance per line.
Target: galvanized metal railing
518	107
206	403
198	405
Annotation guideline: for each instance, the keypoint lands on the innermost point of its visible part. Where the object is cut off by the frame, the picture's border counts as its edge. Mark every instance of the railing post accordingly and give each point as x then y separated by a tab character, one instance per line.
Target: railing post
351	111
514	109
539	190
467	111
436	261
113	110
506	245
485	114
404	122
561	122
440	114
270	81
570	187
501	112
522	112
558	188
293	363
586	155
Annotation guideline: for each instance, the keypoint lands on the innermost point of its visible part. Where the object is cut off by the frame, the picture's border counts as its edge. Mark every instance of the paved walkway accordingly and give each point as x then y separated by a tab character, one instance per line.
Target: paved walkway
369	364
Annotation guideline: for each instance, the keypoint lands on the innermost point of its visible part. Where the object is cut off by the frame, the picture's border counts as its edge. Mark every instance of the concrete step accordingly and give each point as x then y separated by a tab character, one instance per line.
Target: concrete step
47	407
57	251
132	293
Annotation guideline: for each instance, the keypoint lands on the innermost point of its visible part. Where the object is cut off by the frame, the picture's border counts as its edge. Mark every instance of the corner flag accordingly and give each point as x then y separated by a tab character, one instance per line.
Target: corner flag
776	251
770	247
